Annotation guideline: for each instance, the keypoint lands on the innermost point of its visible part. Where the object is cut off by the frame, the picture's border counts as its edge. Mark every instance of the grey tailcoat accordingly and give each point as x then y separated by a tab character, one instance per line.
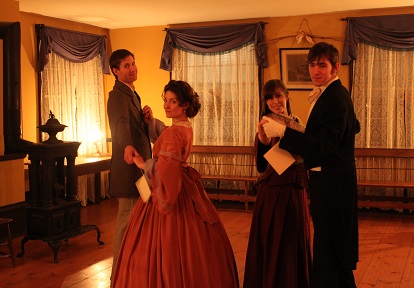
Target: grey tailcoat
127	128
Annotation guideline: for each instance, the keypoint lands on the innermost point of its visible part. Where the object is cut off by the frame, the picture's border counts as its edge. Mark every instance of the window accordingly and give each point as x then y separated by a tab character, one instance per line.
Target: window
74	93
383	95
228	86
71	66
382	92
229	94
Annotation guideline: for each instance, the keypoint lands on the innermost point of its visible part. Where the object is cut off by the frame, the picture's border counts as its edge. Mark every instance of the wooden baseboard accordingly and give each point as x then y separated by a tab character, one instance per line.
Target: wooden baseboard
386	205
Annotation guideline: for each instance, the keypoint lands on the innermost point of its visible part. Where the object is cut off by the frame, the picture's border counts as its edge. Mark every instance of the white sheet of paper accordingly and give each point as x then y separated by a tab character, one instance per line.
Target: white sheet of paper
280	159
143	188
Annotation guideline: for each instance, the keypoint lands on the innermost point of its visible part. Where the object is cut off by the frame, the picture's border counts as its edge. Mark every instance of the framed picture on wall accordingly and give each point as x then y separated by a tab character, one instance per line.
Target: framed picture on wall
294	68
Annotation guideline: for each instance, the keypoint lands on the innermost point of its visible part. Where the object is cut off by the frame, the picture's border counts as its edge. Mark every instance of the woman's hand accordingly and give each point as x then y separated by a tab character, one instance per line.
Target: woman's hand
147	112
261	133
273	128
139	161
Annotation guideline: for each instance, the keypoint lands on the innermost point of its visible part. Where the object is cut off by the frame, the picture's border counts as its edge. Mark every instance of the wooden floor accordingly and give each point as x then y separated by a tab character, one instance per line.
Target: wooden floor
386	251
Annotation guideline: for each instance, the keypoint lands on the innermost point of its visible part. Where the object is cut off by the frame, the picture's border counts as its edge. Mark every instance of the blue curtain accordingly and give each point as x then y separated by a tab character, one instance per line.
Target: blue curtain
214	39
71	45
392	32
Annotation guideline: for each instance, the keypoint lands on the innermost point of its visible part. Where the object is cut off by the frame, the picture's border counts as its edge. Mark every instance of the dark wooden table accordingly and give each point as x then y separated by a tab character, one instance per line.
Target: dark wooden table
85	165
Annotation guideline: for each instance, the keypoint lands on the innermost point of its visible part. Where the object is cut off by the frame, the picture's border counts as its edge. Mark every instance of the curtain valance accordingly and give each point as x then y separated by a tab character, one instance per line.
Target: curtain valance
71	45
392	31
214	39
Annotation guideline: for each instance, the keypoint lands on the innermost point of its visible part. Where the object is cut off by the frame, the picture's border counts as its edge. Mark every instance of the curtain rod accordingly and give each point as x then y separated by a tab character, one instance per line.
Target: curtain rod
72	31
185	27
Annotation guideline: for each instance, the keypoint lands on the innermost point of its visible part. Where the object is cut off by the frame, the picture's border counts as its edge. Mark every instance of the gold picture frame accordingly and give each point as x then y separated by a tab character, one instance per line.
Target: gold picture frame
294	70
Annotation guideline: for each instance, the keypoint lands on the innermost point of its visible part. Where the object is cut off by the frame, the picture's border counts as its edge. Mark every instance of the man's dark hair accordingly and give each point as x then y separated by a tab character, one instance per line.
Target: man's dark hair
116	58
323	49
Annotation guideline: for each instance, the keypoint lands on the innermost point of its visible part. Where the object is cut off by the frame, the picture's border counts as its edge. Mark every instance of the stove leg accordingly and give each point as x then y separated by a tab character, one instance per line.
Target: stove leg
98	237
24	240
55	245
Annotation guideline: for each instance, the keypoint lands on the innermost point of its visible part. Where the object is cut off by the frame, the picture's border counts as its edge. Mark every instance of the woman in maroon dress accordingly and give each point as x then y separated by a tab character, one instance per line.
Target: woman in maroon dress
176	238
279	252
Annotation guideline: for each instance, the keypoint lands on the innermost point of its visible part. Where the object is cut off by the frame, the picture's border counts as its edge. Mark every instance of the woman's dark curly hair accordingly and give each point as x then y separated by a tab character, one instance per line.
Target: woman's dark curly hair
185	93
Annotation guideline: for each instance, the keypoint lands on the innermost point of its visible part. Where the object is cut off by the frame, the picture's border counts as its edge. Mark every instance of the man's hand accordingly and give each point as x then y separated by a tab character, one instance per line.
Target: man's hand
273	129
129	154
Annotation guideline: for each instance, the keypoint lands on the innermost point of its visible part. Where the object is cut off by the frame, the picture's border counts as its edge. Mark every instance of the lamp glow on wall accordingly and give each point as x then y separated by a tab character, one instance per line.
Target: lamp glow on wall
96	136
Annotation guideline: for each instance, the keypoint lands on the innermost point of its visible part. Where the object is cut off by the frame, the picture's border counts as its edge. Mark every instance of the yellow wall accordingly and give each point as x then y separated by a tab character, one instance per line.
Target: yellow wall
12	185
28	61
14	191
327	26
146	43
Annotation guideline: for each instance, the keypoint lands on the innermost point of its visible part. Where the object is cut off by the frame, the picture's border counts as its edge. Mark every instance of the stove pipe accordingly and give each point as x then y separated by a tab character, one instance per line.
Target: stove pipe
13	143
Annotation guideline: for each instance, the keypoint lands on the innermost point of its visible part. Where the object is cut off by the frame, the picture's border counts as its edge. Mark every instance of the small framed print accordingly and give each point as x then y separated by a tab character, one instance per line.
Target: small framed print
294	69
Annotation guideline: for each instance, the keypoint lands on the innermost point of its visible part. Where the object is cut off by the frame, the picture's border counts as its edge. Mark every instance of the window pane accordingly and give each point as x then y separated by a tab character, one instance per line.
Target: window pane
229	94
383	95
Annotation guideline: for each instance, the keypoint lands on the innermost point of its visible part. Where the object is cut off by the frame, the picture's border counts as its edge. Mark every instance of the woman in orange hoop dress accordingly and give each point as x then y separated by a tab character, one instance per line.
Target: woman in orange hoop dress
176	238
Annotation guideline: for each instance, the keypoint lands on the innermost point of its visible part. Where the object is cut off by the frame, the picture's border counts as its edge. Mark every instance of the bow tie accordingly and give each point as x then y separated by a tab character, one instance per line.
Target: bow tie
313	96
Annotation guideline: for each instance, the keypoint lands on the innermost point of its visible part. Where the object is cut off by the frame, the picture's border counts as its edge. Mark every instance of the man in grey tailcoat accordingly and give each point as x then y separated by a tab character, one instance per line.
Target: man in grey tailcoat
129	133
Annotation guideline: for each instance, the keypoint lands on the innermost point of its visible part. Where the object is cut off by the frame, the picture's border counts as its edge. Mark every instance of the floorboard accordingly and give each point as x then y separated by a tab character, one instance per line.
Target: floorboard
386	251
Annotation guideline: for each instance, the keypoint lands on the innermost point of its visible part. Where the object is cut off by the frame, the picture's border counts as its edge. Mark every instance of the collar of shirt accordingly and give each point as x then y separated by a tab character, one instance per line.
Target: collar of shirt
323	87
130	85
318	90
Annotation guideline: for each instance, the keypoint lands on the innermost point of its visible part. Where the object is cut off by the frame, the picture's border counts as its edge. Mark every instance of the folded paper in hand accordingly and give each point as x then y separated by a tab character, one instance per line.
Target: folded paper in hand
287	121
143	188
280	159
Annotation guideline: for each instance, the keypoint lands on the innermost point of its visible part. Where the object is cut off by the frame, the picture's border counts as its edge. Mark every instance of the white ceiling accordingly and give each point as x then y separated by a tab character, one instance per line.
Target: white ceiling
113	14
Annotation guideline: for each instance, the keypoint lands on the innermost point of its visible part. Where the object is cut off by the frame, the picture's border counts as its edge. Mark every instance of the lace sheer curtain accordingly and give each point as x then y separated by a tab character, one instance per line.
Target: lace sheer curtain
383	95
74	93
228	86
